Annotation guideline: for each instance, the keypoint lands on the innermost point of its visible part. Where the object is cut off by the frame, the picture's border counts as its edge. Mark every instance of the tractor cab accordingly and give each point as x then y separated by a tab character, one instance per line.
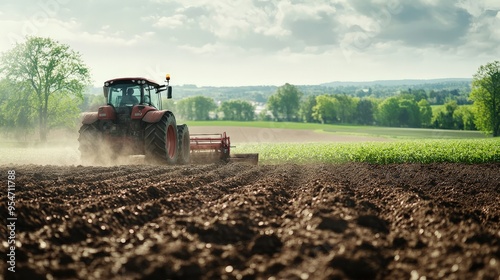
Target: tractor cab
131	98
129	92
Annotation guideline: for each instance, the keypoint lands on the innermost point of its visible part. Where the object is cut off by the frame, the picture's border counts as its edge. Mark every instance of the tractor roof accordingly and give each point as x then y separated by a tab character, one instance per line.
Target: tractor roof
131	80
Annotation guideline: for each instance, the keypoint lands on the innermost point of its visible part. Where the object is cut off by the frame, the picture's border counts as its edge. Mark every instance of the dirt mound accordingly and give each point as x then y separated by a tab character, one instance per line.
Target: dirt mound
234	221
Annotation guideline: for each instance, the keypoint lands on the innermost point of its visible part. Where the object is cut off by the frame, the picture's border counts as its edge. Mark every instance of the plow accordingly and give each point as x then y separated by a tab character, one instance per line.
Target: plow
133	123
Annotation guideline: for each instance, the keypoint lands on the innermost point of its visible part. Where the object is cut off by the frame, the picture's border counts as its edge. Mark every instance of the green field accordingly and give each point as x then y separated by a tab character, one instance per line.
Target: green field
404	151
409	145
375	131
406	145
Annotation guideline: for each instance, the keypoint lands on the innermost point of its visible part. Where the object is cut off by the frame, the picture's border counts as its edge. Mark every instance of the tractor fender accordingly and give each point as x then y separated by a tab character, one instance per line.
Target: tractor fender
89	117
153	116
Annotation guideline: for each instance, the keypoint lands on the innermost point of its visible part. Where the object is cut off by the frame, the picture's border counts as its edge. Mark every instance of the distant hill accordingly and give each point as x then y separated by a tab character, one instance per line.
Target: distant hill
406	82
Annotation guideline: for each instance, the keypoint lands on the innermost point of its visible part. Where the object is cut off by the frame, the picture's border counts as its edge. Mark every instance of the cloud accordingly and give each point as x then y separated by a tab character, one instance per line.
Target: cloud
417	23
333	37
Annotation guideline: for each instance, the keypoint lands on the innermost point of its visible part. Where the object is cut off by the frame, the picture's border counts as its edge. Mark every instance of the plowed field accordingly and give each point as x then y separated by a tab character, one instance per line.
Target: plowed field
235	221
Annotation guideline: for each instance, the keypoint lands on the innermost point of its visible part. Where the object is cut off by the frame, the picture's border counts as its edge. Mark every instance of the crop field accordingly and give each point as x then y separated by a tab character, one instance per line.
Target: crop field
320	205
405	151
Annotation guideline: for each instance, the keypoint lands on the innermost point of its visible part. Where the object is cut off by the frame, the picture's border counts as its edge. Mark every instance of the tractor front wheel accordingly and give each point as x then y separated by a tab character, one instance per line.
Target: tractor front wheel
160	140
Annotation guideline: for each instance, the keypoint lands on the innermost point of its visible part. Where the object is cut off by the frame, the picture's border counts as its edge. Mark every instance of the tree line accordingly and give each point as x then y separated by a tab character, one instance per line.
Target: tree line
414	108
407	109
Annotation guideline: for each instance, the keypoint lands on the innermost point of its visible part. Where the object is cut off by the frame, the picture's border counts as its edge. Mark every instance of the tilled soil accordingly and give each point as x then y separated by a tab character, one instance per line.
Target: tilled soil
236	221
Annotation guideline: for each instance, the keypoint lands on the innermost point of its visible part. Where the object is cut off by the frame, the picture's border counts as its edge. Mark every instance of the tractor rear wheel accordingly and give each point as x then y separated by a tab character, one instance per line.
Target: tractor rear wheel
183	144
160	140
90	141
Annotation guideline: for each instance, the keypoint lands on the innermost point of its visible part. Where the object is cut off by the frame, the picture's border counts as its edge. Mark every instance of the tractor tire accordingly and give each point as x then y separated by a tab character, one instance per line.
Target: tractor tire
160	140
183	144
90	143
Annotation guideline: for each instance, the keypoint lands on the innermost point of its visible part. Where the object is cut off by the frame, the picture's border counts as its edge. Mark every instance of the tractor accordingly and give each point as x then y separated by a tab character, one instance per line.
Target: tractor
134	123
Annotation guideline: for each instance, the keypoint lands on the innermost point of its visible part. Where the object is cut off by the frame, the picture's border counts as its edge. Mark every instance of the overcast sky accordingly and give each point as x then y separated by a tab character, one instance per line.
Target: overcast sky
260	42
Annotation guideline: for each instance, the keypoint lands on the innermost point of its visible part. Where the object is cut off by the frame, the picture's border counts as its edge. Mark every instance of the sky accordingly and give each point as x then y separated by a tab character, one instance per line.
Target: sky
261	42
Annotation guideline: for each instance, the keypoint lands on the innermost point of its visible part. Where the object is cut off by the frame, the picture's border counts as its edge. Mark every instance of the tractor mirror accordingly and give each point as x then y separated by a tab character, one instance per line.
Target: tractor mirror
169	92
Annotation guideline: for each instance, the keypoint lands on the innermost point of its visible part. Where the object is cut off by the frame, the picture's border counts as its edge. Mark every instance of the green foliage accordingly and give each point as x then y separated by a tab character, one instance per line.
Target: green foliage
325	109
486	96
388	112
365	112
346	109
17	115
195	108
285	103
411	151
425	113
400	110
306	109
441	118
237	110
45	72
463	118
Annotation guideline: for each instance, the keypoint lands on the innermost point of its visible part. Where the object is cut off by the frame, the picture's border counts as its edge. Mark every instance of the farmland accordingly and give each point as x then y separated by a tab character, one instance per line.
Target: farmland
324	209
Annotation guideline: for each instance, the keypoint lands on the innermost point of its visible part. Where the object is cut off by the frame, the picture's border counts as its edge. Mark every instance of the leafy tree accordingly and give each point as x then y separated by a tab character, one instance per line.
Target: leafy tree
195	108
419	94
425	113
365	112
306	109
346	109
326	109
399	111
16	111
56	76
486	96
388	112
463	118
443	117
285	103
237	110
409	113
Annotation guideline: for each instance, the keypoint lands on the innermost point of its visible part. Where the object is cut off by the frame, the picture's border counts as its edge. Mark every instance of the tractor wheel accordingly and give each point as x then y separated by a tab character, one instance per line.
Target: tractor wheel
183	144
160	140
90	141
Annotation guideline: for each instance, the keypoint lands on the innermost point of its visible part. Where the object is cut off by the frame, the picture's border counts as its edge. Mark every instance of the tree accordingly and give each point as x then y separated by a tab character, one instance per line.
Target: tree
196	108
306	109
326	109
16	112
365	112
425	112
285	103
55	78
443	117
346	109
486	96
400	110
237	110
463	118
388	112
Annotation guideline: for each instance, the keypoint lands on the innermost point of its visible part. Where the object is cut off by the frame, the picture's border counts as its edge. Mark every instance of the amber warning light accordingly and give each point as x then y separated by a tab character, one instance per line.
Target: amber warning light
167	77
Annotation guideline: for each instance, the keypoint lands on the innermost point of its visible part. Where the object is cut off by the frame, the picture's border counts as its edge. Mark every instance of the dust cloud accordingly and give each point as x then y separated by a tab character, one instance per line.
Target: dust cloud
61	149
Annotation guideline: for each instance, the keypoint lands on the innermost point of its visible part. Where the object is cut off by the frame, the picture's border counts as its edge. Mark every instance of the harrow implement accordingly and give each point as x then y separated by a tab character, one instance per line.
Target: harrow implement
212	147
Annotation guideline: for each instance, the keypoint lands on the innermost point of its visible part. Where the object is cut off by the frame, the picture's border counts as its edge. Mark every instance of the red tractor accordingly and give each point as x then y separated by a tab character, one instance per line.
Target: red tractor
133	123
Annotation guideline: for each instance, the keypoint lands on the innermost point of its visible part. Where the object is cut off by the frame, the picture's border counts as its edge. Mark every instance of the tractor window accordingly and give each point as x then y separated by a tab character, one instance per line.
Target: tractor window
124	95
150	96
